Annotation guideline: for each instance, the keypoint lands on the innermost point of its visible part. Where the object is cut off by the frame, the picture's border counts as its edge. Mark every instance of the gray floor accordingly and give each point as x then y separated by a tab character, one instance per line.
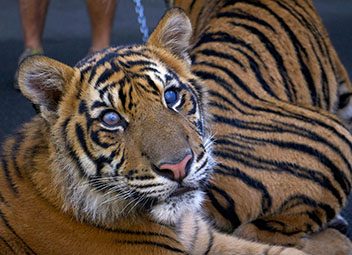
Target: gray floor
67	38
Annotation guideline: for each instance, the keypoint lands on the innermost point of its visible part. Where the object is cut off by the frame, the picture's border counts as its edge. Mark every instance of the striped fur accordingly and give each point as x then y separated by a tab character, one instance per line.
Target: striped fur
274	83
71	184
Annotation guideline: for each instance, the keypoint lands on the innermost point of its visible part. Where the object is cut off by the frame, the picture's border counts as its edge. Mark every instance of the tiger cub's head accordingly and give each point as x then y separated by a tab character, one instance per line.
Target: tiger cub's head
127	127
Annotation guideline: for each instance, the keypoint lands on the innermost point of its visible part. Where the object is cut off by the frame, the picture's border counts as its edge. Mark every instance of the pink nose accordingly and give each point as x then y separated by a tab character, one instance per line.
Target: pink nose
179	169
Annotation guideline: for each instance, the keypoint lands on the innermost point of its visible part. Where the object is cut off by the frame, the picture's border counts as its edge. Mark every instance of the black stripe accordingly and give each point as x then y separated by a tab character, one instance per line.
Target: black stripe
222	37
314	217
107	58
235	172
229	210
151	83
195	234
98	104
277	167
7	224
152	243
216	104
70	150
275	54
132	63
200	156
192	5
193	110
142	233
305	200
94	135
104	76
2	199
233	76
269	225
7	245
122	98
339	176
245	16
211	240
141	178
8	177
147	68
227	141
256	69
222	56
82	142
299	48
82	108
307	133
145	186
221	98
14	153
324	48
317	36
312	120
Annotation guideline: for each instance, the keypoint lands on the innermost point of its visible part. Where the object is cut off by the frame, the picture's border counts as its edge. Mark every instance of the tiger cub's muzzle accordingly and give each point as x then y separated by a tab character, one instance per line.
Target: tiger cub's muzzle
176	169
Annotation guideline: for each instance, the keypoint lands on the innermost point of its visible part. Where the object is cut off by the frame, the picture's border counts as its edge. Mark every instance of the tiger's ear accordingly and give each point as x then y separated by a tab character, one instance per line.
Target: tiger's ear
43	81
173	33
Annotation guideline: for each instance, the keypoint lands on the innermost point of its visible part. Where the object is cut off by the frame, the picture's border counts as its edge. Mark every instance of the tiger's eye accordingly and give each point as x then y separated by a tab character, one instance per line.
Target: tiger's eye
111	119
171	97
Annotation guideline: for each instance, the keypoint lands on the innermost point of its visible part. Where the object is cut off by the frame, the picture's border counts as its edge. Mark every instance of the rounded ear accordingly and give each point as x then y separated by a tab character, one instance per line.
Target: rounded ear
43	81
173	33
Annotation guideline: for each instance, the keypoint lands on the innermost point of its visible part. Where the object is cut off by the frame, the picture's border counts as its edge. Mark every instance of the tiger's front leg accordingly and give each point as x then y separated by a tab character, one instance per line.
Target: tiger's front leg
283	229
199	237
327	242
287	230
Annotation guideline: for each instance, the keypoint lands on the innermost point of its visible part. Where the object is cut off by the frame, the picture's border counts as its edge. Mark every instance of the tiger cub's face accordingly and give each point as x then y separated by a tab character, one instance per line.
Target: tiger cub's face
127	127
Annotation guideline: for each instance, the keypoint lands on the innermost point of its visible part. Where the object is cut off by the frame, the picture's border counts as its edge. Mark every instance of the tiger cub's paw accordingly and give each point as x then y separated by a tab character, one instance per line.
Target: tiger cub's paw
286	251
193	232
327	242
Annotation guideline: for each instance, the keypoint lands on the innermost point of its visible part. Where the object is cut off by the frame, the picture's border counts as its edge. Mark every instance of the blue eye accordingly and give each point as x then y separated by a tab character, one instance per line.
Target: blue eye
111	119
171	97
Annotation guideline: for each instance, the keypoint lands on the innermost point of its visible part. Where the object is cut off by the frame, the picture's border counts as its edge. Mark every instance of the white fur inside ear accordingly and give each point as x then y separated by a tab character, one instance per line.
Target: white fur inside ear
42	80
177	34
39	81
173	33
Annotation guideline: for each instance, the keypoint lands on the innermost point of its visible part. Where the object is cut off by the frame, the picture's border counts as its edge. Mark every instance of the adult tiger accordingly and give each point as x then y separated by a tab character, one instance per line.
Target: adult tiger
259	59
120	137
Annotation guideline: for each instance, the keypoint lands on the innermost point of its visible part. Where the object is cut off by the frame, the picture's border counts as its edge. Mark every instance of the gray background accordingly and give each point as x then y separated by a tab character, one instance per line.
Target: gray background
67	38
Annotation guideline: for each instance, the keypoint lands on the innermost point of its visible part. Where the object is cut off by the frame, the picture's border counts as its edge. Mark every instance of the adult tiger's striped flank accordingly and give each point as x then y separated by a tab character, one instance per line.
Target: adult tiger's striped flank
277	95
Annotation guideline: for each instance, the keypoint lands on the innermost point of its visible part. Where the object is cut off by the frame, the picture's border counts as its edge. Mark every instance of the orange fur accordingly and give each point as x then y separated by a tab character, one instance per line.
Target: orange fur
72	184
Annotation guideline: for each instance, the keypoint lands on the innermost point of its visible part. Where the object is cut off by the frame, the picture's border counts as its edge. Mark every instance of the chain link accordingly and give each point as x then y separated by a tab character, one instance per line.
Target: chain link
141	19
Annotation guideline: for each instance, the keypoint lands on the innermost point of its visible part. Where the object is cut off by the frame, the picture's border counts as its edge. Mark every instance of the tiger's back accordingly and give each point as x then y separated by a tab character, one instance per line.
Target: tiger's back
281	46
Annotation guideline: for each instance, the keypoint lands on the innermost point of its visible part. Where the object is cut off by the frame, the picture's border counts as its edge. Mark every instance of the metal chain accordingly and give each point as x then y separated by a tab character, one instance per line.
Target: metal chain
141	19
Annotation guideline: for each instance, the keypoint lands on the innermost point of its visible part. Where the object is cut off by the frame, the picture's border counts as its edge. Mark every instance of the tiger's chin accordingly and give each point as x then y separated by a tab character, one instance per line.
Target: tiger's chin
171	210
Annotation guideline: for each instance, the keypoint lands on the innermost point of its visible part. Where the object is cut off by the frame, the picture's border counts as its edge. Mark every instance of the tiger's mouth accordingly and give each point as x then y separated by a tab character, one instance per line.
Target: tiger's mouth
182	190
